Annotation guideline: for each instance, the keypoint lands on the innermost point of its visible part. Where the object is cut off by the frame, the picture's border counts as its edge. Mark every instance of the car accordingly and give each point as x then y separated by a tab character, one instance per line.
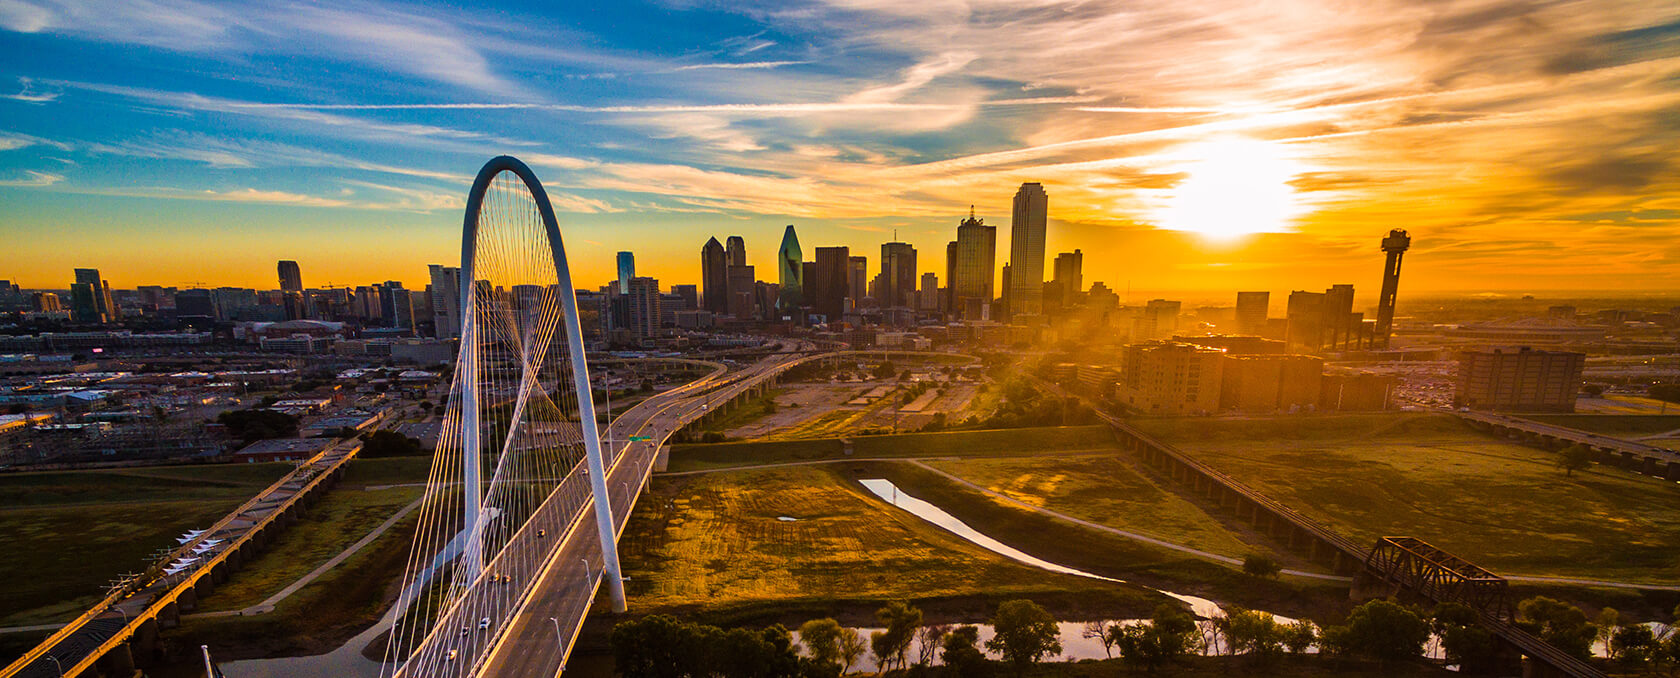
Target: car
452	654
484	623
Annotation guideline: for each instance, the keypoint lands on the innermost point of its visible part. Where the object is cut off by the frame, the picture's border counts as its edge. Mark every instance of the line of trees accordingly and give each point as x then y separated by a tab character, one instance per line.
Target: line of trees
658	646
1025	634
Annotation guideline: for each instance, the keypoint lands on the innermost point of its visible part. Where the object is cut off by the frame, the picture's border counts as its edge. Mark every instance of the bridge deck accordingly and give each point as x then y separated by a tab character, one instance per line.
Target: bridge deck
75	647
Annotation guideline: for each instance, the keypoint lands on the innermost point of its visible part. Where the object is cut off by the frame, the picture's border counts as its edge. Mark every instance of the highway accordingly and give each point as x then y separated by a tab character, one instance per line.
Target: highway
541	636
1571	435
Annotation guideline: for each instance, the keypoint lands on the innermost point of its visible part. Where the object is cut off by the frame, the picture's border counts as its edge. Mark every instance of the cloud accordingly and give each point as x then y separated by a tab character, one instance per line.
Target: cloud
394	38
33	179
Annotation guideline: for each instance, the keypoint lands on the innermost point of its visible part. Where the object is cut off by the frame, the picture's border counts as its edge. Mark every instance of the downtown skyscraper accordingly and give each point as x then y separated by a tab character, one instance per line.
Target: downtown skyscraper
790	266
1026	250
971	274
626	271
898	275
714	277
291	279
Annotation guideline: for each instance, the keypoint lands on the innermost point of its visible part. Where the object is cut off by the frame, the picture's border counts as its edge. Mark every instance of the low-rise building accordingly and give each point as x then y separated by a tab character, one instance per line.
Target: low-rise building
1169	378
1521	380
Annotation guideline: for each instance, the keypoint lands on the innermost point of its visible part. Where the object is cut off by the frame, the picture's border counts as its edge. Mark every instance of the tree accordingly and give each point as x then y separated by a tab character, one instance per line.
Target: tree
389	444
1574	458
1463	639
1606	622
890	645
1300	636
655	646
1252	633
1385	631
1558	623
928	639
961	655
1099	631
1635	645
851	649
821	638
1023	633
253	425
1168	636
1256	565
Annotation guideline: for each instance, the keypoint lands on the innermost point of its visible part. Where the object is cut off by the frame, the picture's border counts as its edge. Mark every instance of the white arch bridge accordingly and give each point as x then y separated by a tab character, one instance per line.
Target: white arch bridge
524	504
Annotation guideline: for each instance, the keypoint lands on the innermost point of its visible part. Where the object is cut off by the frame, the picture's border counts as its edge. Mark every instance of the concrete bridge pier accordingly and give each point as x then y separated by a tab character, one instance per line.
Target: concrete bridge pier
118	662
1673	471
143	645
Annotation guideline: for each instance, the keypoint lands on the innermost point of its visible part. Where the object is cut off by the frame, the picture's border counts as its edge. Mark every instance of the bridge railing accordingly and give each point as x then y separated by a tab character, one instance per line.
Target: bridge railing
152	569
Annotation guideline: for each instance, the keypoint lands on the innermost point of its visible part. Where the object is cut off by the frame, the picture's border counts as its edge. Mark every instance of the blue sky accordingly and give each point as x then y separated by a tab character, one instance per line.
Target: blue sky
1185	145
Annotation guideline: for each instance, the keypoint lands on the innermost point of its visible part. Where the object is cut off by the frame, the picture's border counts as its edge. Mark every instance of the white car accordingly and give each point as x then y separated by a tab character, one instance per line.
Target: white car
484	623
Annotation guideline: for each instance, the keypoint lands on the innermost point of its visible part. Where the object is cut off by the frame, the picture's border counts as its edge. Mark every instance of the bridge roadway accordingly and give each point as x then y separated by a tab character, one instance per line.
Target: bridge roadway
539	639
1635	456
132	614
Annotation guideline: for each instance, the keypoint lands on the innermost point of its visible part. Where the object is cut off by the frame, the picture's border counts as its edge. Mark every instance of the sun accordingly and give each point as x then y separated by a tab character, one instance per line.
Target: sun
1233	187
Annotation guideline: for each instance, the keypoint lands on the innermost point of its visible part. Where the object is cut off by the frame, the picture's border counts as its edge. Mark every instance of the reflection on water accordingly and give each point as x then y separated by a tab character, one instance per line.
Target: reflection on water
885	489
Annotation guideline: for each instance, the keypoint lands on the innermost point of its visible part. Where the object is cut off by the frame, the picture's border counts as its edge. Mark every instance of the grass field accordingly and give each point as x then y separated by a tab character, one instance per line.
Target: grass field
1504	506
1614	424
69	533
1000	442
1103	489
339	520
715	545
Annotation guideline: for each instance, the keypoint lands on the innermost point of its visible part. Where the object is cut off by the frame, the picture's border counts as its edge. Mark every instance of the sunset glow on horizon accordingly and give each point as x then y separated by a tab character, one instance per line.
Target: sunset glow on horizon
1205	145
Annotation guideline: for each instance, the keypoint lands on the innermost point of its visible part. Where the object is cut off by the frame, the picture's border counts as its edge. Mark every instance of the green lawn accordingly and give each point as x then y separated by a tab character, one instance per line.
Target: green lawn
714	544
1000	442
339	520
1502	505
68	533
1103	489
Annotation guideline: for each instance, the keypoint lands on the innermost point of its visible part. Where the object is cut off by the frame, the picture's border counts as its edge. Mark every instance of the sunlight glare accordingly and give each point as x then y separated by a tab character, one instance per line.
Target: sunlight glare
1234	187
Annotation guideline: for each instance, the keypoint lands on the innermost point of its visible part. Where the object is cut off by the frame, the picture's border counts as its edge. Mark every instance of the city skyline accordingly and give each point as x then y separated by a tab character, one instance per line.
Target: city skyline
850	124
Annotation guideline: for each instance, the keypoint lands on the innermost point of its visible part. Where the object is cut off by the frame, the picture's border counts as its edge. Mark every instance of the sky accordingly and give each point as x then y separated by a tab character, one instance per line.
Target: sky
1185	144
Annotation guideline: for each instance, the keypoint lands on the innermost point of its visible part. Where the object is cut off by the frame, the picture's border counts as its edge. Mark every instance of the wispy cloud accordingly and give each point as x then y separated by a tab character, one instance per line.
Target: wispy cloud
33	179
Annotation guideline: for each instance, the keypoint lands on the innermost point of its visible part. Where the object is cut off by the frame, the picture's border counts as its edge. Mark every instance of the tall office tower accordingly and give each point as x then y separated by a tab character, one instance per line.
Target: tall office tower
690	296
790	265
950	298
446	301
857	280
1160	319
626	271
46	301
295	306
1252	308
291	279
365	303
1070	273
1395	245
971	281
1338	316
195	307
929	299
1305	313
742	291
644	300
829	280
714	276
103	310
737	250
1026	250
396	305
83	308
898	275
